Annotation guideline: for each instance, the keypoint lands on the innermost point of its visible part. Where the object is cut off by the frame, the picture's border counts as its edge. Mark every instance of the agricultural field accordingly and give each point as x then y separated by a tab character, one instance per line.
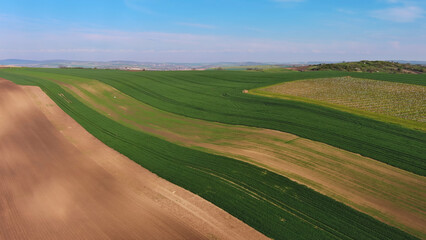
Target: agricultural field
323	168
59	182
244	152
218	96
380	99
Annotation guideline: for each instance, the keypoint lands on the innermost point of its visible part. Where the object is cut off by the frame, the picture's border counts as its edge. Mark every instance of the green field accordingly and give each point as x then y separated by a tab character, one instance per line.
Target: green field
217	96
269	202
321	167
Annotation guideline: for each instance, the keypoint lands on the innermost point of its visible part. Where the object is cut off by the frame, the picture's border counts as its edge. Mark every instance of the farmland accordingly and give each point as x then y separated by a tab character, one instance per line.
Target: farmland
393	102
59	182
217	96
284	208
313	164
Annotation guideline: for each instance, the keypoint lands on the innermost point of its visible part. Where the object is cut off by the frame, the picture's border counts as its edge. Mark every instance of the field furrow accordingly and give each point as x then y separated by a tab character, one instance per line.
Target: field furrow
178	165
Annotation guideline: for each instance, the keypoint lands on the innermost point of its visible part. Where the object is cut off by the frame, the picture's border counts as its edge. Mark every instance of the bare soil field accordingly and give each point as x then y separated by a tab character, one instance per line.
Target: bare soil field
394	196
7	66
59	182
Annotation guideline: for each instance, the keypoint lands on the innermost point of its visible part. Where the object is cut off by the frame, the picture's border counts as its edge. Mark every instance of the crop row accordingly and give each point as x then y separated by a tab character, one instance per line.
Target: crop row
393	99
271	203
217	96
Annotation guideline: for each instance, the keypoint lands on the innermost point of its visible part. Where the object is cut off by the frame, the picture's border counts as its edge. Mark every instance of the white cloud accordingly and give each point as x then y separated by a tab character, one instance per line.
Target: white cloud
399	14
98	44
95	44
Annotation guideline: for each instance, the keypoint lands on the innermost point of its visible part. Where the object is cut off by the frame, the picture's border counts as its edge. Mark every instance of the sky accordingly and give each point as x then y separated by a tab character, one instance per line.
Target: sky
213	30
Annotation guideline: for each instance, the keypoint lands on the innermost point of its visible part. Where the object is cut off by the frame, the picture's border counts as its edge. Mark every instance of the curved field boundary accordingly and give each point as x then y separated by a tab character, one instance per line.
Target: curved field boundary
218	96
270	91
59	182
270	203
389	194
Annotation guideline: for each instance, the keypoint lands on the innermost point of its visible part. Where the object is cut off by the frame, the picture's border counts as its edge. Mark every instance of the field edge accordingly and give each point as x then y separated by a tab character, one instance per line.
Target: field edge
418	126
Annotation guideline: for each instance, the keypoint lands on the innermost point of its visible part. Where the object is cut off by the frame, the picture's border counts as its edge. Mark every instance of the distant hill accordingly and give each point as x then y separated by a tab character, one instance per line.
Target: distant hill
398	66
16	62
125	65
369	66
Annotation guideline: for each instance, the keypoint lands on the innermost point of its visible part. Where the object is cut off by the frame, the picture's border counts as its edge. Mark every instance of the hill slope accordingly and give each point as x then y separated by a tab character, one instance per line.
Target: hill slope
371	66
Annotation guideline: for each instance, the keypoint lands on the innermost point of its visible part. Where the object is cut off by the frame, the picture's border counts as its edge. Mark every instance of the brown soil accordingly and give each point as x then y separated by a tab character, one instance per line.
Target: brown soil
59	182
8	66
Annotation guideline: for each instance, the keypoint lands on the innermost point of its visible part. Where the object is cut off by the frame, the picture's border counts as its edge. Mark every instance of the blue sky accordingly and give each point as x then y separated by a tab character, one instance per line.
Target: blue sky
213	30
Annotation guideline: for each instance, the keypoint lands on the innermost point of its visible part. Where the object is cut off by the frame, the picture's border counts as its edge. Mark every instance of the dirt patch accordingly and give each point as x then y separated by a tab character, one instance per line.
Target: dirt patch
8	66
59	182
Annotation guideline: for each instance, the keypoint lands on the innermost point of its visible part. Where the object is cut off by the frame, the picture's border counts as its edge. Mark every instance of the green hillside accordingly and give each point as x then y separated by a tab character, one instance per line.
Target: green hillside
371	67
